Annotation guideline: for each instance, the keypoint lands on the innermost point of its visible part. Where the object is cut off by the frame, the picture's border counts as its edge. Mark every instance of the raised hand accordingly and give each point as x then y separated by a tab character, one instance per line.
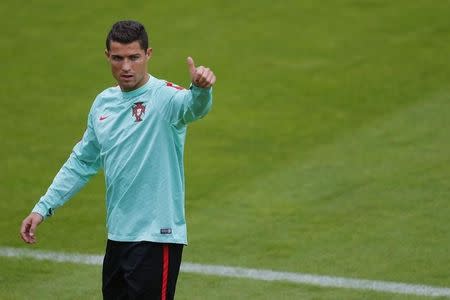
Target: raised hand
200	76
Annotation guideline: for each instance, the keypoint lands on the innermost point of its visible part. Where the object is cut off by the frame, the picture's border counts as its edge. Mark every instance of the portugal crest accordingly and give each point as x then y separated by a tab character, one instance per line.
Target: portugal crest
138	110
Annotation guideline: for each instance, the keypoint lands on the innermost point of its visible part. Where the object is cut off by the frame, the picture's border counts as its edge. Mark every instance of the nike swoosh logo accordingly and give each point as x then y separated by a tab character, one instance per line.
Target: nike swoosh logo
103	117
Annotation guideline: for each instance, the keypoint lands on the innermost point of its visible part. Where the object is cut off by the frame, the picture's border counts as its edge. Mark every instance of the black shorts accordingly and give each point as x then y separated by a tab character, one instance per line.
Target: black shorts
140	270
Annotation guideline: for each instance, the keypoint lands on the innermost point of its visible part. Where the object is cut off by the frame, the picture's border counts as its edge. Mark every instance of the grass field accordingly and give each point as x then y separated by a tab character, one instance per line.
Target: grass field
327	150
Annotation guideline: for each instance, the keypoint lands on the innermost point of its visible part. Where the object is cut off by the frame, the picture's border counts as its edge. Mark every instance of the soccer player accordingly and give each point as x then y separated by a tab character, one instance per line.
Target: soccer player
136	133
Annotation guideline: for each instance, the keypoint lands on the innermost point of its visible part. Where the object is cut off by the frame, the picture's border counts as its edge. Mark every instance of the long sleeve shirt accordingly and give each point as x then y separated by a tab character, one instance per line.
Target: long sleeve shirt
138	138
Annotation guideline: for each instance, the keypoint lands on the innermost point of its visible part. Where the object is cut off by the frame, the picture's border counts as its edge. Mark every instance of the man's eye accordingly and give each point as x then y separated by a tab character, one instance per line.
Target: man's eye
116	58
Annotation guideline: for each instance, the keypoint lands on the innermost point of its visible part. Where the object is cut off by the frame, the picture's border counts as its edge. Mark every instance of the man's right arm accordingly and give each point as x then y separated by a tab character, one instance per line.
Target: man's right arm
186	106
82	164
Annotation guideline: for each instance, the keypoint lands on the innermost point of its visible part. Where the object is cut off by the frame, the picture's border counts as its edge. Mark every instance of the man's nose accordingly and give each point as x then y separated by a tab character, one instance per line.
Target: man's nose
126	66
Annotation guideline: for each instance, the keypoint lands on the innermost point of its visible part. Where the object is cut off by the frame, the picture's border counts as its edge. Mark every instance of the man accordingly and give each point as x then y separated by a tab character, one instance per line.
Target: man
136	133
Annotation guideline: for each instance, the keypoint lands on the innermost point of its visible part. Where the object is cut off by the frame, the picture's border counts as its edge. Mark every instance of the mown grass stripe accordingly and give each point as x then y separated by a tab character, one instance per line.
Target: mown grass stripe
256	274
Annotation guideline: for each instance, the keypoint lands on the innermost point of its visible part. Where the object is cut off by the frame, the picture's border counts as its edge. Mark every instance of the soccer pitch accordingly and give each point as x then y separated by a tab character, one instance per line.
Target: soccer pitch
327	150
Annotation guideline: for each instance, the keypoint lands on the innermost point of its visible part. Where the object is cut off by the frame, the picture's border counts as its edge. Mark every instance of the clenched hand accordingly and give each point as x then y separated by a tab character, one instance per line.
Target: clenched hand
200	76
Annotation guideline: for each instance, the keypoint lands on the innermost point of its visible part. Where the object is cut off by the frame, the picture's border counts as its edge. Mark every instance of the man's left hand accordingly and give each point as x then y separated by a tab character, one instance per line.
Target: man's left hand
200	76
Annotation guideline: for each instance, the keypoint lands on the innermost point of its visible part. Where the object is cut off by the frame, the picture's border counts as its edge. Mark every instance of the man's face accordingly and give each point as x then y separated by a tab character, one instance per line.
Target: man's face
128	64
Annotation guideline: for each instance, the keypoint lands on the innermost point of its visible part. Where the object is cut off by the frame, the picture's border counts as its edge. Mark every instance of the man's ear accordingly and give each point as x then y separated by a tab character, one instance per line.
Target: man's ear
107	53
149	53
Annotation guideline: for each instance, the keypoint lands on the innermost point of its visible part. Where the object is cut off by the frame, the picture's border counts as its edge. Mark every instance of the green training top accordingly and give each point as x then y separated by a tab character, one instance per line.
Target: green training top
137	137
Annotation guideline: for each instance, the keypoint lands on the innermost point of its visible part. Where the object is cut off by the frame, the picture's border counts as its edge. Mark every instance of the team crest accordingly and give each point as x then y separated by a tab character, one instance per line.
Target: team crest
138	111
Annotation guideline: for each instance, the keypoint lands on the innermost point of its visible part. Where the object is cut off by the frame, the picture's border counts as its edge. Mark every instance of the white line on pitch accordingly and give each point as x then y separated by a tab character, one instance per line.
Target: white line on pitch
257	274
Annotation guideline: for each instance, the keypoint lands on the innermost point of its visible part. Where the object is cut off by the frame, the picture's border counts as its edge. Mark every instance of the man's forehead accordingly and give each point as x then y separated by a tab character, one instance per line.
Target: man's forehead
117	48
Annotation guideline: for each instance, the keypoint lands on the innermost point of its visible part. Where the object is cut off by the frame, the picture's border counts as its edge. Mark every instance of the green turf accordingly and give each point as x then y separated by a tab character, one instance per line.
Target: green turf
326	152
29	279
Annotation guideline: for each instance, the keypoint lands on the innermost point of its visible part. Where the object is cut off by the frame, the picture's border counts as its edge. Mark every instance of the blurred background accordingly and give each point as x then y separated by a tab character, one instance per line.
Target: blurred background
327	150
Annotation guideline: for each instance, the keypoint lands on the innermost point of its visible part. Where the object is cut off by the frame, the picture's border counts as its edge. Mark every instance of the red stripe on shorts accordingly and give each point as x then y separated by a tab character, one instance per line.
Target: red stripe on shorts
165	272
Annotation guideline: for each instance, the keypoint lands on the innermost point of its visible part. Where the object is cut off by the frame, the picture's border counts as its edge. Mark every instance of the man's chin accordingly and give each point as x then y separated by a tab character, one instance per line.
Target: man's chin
127	86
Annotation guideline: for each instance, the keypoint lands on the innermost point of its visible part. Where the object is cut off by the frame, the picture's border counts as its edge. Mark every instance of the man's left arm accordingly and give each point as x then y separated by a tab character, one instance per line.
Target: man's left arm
186	106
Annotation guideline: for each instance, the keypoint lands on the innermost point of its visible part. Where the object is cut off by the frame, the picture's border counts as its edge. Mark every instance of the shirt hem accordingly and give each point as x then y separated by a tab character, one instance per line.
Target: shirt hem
170	240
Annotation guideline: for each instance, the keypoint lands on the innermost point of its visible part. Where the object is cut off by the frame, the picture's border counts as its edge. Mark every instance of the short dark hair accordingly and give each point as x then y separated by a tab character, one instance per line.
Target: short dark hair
126	32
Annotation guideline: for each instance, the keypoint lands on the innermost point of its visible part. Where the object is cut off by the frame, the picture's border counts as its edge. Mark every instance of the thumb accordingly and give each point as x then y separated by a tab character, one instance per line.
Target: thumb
191	66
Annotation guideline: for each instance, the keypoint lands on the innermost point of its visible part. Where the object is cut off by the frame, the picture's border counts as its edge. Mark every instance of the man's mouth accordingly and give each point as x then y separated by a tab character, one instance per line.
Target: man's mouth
126	76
